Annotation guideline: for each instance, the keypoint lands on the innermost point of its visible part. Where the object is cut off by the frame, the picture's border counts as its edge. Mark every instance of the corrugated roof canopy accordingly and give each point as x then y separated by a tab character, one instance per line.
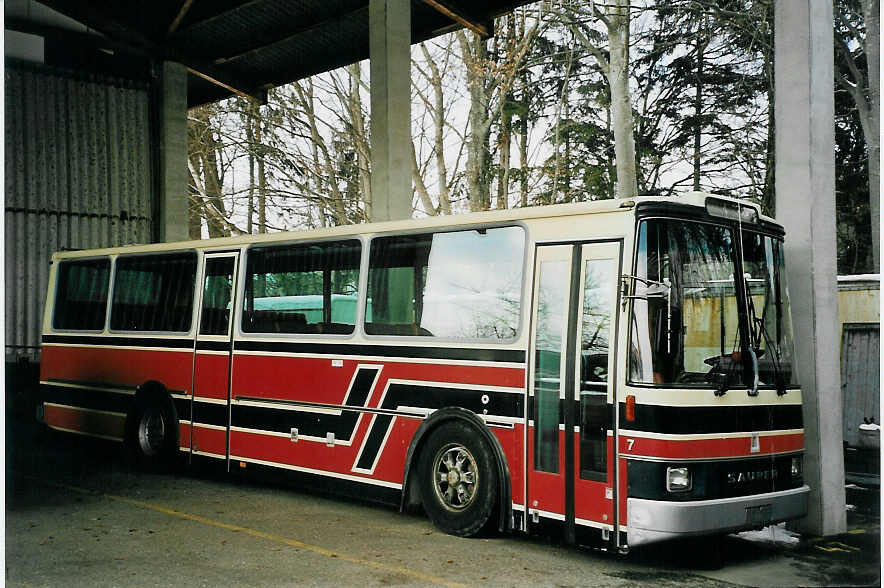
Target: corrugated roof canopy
252	45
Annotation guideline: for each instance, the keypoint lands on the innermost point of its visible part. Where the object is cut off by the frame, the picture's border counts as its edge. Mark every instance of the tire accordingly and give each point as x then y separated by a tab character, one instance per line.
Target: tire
458	479
151	432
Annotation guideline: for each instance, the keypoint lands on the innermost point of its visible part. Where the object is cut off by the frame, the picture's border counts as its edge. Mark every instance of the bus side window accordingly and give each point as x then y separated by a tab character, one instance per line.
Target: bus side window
217	295
310	288
457	284
81	295
154	293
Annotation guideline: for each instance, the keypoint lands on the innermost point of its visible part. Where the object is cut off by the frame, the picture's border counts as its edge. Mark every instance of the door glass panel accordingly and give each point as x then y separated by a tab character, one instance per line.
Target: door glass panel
552	312
599	291
217	292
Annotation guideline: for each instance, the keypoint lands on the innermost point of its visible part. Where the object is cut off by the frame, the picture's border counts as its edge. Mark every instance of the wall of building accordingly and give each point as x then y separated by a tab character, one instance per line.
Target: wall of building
77	176
859	304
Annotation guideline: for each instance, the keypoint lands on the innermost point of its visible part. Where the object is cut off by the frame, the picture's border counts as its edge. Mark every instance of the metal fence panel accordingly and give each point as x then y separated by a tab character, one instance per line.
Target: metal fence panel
860	377
77	175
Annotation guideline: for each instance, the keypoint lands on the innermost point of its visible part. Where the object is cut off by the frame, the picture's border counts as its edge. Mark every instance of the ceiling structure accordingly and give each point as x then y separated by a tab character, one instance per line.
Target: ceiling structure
247	46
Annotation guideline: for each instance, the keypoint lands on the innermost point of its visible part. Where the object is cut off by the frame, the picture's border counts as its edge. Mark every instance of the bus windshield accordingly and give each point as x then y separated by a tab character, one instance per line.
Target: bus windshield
685	327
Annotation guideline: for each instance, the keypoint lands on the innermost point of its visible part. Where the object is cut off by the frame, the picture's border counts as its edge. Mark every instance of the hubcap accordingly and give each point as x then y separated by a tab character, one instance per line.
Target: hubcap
456	477
151	432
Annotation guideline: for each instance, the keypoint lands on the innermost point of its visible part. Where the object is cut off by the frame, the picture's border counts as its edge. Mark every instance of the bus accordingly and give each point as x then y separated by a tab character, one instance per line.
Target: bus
620	372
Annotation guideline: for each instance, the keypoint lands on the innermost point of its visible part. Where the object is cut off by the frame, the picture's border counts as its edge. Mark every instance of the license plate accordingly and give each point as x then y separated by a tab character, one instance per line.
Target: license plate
758	515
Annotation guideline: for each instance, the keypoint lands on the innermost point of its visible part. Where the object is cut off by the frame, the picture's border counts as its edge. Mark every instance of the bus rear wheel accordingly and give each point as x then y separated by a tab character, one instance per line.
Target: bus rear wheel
458	479
150	432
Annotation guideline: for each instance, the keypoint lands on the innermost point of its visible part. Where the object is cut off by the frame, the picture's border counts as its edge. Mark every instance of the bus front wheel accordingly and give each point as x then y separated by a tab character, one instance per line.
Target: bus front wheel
458	479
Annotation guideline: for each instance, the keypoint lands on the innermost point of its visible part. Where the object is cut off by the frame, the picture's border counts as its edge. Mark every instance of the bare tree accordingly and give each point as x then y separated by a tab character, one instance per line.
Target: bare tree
489	79
204	156
433	69
615	65
857	40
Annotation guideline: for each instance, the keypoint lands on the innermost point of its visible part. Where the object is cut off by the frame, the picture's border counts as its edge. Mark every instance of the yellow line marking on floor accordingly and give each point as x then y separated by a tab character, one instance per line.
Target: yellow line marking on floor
856	531
255	533
837	546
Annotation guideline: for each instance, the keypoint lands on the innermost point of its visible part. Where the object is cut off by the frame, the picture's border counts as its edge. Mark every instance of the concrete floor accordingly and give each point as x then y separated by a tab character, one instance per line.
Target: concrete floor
79	514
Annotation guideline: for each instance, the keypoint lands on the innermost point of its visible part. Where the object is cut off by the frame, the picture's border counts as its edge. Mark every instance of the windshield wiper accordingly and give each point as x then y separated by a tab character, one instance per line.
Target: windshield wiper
757	333
753	345
779	376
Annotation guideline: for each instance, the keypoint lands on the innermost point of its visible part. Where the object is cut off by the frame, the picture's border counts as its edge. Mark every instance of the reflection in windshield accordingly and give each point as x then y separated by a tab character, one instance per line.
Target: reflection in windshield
769	313
685	321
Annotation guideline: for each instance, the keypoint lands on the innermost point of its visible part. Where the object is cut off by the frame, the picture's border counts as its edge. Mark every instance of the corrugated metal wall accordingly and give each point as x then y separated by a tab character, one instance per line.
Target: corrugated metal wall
77	177
860	377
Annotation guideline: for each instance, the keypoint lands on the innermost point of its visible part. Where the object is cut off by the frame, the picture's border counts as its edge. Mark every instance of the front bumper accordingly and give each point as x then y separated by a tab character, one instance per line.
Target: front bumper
659	520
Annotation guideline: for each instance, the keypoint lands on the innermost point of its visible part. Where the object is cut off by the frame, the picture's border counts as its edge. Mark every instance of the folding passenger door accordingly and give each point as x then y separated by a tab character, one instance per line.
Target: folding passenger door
571	434
210	417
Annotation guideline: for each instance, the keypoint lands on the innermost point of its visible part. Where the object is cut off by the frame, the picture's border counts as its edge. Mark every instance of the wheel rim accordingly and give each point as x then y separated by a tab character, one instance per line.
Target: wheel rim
455	477
151	431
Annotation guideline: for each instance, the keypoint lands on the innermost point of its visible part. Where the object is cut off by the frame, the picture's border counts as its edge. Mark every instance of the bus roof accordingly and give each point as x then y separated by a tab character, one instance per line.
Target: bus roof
432	223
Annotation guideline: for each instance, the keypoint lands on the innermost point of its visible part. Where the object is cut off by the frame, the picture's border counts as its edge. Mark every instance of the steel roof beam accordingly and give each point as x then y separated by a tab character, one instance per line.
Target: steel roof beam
459	16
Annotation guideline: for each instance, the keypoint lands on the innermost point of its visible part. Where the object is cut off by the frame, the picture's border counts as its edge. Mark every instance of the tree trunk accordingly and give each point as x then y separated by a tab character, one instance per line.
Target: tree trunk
871	12
698	109
768	194
360	136
523	126
505	134
262	177
436	104
475	57
621	106
250	140
523	144
194	216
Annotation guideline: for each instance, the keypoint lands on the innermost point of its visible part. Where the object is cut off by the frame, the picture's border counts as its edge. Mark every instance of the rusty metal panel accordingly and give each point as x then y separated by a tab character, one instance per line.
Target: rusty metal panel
860	377
77	175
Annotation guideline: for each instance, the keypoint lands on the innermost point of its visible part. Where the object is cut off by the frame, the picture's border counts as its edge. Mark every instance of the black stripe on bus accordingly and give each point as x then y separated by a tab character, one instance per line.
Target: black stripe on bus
88	398
374	441
119	341
183	408
107	386
410	352
282	419
209	413
312	424
532	409
213	345
714	479
683	420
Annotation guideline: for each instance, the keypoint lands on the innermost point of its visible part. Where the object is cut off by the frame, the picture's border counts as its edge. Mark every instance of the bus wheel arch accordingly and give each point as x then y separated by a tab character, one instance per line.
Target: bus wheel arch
151	432
476	433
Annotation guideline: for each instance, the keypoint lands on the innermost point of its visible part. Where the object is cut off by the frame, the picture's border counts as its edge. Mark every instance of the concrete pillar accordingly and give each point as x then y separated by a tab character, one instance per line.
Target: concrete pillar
805	196
390	53
173	175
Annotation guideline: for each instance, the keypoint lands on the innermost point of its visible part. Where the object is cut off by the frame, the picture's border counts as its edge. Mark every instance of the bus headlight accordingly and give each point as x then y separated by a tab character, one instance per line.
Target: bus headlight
678	480
796	467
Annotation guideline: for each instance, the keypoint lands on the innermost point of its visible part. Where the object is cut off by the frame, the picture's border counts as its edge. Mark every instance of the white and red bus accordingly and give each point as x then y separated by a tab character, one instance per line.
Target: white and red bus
621	369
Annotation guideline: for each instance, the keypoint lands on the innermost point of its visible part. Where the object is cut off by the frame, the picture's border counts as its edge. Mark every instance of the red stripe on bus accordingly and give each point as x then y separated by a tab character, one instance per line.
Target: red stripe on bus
709	448
209	440
320	380
338	459
184	435
212	375
117	367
